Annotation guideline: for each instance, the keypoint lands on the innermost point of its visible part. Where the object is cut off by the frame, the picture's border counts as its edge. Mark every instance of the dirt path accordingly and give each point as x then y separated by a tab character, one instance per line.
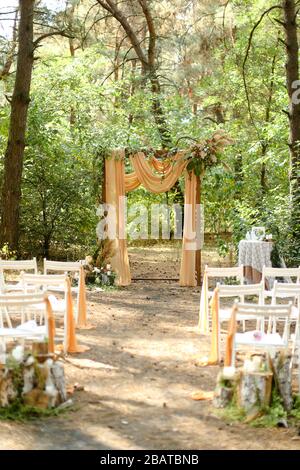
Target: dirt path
140	398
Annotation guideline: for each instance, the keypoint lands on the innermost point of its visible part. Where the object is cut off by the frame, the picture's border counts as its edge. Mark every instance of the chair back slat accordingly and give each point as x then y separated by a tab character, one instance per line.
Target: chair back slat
14	300
44	279
286	288
232	290
237	271
61	266
281	273
276	311
18	265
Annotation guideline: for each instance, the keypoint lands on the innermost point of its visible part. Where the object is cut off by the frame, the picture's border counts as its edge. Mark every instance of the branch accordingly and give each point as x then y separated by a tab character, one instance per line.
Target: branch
116	68
266	12
11	51
281	23
186	137
47	35
287	113
211	119
112	8
152	32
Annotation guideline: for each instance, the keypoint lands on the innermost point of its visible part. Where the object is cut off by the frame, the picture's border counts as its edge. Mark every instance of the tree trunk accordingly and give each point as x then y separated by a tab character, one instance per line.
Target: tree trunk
292	76
13	162
46	246
158	112
72	53
254	391
147	59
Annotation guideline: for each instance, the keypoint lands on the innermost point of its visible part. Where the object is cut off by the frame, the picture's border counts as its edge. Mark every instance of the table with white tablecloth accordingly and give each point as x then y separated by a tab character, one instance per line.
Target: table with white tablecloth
253	255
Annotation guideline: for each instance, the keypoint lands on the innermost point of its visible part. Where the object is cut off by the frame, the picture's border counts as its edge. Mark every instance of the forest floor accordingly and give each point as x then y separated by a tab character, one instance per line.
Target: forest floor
138	393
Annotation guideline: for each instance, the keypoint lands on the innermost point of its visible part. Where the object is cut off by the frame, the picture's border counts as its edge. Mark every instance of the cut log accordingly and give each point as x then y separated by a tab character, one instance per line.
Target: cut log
8	391
36	398
40	385
58	375
28	376
254	390
223	396
226	384
280	365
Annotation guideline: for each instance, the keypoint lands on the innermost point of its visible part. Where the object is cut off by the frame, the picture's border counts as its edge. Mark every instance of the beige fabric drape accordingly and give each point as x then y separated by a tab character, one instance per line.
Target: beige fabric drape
203	313
154	183
159	166
214	355
187	268
50	325
131	182
230	338
115	190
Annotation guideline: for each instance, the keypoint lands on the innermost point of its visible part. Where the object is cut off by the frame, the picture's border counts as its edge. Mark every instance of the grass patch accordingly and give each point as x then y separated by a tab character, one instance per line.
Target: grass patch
231	414
270	417
22	413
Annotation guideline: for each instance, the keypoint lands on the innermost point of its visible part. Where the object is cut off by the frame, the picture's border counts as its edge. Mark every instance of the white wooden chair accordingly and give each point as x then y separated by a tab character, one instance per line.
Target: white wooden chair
15	265
20	304
259	339
270	275
47	283
239	293
217	274
65	267
290	291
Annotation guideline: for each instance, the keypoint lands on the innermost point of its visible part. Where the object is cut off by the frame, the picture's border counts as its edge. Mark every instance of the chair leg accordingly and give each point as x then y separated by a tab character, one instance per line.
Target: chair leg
3	345
299	370
7	318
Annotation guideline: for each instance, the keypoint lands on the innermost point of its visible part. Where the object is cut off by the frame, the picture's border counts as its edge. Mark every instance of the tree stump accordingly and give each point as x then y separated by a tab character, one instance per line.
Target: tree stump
226	385
40	385
254	390
223	396
280	365
8	392
58	377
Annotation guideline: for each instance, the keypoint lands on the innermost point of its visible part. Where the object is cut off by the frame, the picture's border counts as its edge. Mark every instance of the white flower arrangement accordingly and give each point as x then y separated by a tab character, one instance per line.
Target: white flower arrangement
18	353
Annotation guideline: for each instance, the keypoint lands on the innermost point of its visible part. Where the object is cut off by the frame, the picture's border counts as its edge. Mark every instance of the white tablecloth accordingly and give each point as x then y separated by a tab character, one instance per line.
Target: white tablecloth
255	254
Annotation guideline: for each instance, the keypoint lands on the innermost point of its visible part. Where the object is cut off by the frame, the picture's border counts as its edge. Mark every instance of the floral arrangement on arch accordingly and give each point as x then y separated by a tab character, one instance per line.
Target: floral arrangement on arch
102	276
207	153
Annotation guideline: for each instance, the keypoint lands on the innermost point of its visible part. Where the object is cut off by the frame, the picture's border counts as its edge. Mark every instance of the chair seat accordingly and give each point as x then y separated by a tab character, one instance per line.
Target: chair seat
25	330
32	327
56	304
267	339
62	289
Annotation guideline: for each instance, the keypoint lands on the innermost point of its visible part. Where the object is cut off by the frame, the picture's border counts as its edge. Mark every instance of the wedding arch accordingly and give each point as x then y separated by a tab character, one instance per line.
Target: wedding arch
156	176
160	176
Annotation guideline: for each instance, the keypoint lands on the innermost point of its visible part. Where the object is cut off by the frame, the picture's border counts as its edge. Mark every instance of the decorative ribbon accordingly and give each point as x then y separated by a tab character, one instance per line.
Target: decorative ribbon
203	324
50	326
214	356
230	338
